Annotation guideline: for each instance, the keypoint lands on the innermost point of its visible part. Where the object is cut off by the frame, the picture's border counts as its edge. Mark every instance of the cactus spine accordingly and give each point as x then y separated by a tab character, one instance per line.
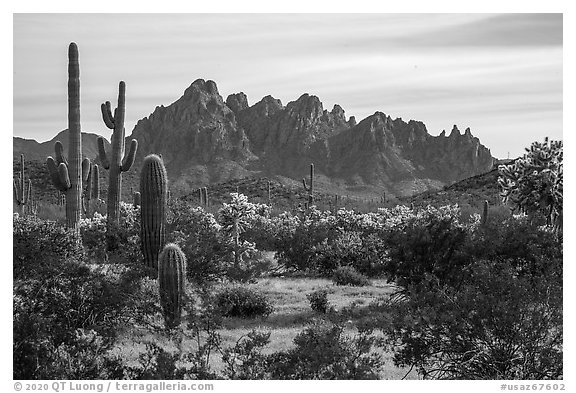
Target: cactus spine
485	213
153	192
171	283
119	161
66	172
92	191
22	195
310	188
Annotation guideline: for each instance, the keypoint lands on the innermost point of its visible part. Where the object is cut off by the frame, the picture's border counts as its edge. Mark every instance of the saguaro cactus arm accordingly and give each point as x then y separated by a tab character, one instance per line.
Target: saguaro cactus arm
85	169
130	157
106	109
102	153
63	176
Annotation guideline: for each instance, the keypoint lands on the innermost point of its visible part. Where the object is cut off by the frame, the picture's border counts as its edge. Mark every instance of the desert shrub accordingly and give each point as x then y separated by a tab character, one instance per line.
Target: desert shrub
198	235
119	245
347	275
516	240
427	242
364	252
41	247
245	359
319	300
298	235
497	325
324	351
241	301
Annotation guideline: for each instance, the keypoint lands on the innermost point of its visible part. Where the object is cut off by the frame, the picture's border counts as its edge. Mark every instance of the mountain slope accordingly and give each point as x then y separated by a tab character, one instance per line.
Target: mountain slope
33	150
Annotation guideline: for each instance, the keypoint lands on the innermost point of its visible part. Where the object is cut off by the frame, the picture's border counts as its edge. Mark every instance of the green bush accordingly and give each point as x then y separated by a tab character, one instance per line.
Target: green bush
424	243
319	300
347	275
497	325
198	235
243	302
43	247
323	351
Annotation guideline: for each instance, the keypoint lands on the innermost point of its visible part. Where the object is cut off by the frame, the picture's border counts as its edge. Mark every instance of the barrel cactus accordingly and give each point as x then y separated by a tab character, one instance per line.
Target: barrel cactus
153	200
171	283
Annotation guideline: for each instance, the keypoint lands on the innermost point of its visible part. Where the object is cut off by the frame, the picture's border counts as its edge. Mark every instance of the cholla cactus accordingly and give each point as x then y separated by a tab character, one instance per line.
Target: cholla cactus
22	195
67	172
171	283
153	193
119	161
534	183
310	189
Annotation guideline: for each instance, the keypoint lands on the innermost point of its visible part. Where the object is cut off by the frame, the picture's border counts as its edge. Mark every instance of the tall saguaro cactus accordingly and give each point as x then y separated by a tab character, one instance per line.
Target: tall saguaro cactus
92	191
484	219
310	188
118	162
171	282
22	195
66	172
153	194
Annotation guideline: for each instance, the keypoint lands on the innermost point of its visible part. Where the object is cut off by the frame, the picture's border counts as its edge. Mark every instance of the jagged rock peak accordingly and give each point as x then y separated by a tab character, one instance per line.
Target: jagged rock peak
467	132
352	121
270	101
443	133
455	132
307	103
200	85
237	102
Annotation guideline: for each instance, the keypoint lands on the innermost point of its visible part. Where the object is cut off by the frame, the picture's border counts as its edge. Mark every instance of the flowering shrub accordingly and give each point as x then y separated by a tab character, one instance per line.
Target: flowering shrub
126	236
199	236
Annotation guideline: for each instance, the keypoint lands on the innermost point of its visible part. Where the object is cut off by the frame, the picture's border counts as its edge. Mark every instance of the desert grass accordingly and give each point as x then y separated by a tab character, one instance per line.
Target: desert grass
291	315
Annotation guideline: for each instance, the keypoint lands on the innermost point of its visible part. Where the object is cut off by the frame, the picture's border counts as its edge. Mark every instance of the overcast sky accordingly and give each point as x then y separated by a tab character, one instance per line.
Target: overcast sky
500	75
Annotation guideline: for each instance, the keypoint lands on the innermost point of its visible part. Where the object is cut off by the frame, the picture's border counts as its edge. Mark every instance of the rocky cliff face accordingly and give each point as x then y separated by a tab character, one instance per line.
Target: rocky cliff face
204	139
196	135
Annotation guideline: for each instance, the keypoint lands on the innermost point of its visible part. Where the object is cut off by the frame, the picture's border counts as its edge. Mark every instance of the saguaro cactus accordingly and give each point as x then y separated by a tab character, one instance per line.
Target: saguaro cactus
92	191
118	162
137	198
171	283
204	196
310	188
485	213
21	194
66	173
269	194
153	193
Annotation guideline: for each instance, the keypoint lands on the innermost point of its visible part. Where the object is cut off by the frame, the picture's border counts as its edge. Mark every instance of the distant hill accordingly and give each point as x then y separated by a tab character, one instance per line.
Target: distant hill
35	151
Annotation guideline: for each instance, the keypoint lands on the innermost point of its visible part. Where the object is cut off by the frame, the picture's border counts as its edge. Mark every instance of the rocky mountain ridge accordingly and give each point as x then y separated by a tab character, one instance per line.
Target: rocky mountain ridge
205	139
